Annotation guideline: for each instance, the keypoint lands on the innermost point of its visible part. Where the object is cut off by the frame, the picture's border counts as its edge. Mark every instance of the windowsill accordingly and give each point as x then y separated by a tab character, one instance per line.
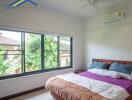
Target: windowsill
32	73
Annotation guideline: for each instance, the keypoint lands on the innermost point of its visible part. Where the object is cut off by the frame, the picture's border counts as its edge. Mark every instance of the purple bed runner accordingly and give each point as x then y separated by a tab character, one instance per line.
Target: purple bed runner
126	84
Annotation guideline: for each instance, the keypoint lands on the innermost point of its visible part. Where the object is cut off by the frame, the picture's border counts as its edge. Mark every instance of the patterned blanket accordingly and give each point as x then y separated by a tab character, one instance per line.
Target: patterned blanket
77	87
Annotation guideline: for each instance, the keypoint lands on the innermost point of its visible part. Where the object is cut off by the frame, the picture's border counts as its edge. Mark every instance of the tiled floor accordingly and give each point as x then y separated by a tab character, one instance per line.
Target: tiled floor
39	95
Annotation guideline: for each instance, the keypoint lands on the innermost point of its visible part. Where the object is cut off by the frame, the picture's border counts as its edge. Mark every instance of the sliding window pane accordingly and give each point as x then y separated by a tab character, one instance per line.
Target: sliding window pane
64	43
32	52
64	58
50	54
65	52
10	53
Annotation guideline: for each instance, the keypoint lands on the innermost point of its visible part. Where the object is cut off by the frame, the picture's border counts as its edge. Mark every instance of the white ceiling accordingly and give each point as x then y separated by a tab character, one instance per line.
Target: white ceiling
73	7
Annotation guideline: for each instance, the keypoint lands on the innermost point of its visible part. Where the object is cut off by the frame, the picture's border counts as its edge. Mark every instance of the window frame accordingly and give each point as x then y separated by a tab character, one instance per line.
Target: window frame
43	70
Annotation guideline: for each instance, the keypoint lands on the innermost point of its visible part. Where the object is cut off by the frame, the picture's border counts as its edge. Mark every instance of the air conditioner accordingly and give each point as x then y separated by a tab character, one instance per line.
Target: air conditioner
114	17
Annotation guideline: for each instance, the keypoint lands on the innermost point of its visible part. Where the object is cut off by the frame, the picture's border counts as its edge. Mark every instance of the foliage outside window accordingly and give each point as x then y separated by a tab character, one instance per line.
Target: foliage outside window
22	52
50	54
32	52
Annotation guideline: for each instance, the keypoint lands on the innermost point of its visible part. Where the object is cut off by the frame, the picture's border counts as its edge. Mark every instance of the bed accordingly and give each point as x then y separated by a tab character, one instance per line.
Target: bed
89	86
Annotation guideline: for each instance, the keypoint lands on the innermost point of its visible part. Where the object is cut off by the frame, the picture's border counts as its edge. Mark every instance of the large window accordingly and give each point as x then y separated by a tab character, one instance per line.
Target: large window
22	53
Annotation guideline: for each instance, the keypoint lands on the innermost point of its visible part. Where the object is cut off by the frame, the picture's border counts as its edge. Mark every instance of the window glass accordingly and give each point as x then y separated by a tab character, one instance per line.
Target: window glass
10	53
32	52
64	58
64	43
64	52
50	55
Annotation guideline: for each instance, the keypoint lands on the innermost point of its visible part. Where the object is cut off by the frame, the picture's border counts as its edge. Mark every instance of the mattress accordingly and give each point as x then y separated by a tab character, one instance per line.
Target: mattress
88	86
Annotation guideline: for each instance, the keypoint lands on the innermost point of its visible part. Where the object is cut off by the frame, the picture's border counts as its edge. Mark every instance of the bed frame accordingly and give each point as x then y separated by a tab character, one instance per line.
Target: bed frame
111	61
108	62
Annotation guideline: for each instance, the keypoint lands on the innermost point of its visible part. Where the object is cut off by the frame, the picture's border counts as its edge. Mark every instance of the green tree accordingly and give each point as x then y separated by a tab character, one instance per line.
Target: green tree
50	52
32	54
3	65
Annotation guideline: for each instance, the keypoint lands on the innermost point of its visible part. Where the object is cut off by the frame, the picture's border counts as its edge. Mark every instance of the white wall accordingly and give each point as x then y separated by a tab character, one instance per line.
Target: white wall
108	41
40	21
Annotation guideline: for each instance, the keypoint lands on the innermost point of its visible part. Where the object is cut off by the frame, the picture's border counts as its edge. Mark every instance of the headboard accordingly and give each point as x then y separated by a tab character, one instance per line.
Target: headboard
111	61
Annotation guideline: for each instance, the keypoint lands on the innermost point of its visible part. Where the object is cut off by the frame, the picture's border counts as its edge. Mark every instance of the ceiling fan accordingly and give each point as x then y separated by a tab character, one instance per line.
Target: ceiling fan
94	3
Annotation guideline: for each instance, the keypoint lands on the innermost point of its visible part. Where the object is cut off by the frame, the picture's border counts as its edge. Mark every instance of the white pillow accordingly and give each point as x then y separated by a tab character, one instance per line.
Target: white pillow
105	72
126	76
113	74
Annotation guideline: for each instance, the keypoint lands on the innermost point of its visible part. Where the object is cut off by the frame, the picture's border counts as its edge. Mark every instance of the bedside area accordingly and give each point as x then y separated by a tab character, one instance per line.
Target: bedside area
79	71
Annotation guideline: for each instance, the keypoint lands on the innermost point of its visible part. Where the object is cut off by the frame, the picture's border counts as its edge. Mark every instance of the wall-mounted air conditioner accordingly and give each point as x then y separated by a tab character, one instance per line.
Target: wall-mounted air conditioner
114	17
